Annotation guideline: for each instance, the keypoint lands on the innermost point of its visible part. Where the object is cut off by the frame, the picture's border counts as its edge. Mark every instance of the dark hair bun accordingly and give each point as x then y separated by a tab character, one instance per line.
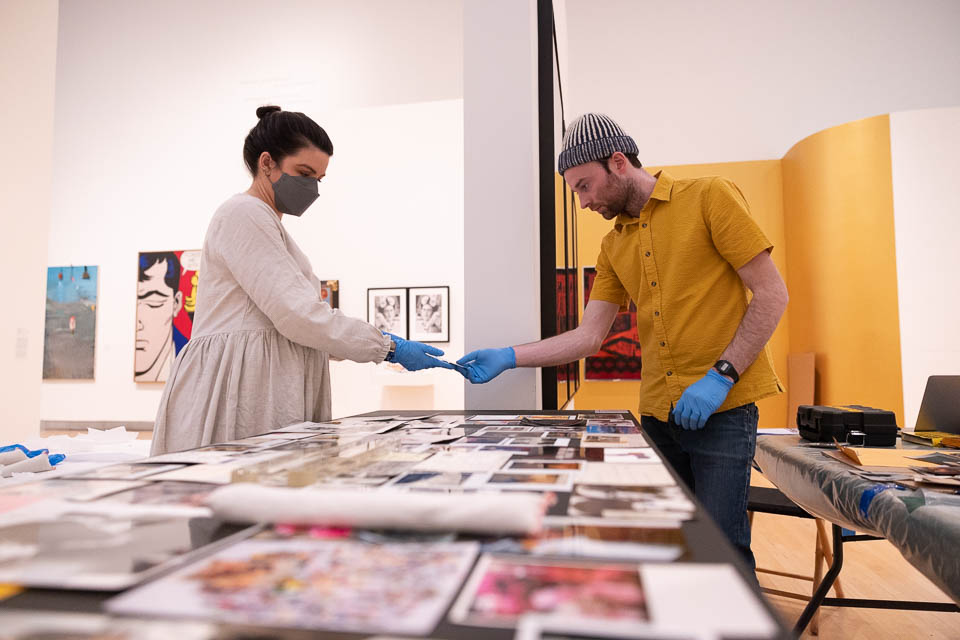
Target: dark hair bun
262	111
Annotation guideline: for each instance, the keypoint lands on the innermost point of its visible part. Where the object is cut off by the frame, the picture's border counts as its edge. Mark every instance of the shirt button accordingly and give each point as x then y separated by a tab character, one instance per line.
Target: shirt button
653	284
656	313
669	373
644	225
663	344
648	254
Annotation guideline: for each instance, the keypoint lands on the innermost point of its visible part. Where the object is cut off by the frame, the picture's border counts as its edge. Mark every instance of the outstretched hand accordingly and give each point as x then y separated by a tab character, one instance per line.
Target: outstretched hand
484	365
414	356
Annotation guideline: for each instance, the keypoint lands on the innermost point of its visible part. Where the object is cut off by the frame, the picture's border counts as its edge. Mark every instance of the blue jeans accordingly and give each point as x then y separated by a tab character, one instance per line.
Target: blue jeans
715	462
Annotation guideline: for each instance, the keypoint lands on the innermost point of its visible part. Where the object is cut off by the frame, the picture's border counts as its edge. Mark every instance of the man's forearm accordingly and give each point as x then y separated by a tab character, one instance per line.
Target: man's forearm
758	324
566	347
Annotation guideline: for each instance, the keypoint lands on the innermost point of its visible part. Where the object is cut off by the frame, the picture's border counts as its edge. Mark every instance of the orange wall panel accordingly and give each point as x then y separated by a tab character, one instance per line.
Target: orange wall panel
842	275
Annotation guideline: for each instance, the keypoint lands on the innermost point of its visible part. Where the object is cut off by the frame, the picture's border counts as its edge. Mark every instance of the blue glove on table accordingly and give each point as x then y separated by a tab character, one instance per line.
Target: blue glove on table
484	365
701	399
414	356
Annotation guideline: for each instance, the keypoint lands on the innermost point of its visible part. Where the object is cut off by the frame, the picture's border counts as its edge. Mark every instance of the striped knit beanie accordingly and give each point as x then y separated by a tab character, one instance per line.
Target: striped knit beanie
593	136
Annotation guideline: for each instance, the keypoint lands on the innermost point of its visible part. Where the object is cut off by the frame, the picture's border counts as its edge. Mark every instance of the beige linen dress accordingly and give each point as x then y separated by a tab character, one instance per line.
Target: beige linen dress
259	355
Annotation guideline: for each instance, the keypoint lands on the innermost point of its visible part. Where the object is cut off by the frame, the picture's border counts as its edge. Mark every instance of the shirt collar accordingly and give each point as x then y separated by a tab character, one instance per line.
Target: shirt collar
662	191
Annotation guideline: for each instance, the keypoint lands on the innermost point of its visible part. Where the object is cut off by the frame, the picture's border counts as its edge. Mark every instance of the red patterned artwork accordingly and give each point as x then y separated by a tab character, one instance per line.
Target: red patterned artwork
619	356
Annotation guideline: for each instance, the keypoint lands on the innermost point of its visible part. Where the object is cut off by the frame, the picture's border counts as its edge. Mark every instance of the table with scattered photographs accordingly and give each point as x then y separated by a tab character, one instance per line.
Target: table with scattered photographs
132	550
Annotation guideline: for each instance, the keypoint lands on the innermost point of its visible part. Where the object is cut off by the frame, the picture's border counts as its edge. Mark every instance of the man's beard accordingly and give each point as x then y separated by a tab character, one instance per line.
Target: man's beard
618	194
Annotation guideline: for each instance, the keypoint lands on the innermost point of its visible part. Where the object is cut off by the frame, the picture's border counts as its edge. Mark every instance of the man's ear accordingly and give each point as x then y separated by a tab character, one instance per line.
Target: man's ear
618	162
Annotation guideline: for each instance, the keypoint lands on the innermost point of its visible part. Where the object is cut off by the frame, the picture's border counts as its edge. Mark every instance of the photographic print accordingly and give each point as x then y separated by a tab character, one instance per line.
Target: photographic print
504	588
619	355
530	480
555	465
74	489
387	310
627	503
428	479
341	585
186	494
70	328
166	301
38	625
123	471
330	293
430	321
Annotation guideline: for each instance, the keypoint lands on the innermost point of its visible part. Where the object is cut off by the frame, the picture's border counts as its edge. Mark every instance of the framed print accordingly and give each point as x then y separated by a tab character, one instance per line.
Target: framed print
330	293
430	320
70	328
166	301
387	310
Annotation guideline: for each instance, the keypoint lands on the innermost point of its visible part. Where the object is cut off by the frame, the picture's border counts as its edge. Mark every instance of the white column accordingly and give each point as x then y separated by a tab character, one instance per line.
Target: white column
28	56
501	214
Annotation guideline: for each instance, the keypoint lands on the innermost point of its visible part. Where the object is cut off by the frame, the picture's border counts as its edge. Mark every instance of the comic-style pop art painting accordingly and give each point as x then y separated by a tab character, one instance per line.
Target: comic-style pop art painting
166	301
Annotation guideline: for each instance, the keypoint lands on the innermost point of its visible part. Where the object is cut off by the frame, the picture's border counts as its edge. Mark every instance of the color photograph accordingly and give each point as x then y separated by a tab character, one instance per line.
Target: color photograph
337	585
503	588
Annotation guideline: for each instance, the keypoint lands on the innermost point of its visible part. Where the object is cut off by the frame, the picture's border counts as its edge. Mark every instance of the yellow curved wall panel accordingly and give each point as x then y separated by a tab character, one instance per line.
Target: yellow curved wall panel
841	262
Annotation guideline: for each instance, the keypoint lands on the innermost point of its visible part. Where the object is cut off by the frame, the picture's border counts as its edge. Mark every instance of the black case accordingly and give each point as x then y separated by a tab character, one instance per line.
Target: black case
824	423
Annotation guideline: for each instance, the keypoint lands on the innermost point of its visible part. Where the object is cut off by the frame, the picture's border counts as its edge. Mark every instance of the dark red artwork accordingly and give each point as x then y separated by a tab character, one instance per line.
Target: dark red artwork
619	355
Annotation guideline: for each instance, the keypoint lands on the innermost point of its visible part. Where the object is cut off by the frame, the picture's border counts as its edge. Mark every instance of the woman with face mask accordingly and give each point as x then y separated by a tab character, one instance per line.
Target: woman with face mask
262	338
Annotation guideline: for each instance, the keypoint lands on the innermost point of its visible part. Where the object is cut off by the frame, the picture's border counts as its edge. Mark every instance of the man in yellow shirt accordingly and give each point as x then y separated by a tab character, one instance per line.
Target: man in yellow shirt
686	252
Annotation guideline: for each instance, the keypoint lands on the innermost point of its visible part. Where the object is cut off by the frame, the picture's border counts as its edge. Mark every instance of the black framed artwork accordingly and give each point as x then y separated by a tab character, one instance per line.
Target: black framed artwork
429	314
387	310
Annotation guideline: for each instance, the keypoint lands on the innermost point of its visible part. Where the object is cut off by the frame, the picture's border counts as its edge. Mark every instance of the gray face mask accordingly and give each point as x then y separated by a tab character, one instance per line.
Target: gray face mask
293	194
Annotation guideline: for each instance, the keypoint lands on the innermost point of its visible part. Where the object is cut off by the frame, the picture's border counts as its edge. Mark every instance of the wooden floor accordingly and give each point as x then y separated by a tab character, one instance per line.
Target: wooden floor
872	569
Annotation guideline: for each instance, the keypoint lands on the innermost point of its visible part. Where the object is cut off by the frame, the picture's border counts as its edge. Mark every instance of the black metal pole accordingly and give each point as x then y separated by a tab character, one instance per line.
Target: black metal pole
548	223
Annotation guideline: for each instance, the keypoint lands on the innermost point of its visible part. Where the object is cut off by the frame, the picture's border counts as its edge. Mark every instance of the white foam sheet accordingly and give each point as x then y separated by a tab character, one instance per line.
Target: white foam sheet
515	513
709	599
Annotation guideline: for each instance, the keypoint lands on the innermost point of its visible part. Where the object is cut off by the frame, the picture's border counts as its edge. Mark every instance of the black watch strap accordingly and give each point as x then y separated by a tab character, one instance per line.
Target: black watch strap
724	367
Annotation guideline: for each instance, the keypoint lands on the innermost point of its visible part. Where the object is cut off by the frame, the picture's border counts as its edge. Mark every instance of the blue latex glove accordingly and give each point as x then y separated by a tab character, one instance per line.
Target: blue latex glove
27	452
484	365
414	356
701	399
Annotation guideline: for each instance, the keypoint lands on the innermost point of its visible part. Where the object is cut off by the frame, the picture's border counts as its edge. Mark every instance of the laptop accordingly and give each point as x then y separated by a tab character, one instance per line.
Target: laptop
939	415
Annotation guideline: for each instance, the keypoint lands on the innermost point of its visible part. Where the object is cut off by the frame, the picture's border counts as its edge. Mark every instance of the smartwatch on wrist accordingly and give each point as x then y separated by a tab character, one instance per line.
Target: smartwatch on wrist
724	367
392	351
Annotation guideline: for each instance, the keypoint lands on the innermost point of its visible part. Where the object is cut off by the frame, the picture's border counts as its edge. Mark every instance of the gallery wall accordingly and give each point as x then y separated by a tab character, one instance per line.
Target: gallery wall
925	194
28	38
150	121
698	82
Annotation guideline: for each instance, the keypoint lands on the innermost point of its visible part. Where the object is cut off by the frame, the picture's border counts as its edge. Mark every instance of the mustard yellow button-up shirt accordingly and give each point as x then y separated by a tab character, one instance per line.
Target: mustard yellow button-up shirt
678	261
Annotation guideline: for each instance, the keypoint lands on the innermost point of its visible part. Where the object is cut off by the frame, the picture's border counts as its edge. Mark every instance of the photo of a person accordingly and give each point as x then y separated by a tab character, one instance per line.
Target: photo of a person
429	313
430	309
388	316
159	300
